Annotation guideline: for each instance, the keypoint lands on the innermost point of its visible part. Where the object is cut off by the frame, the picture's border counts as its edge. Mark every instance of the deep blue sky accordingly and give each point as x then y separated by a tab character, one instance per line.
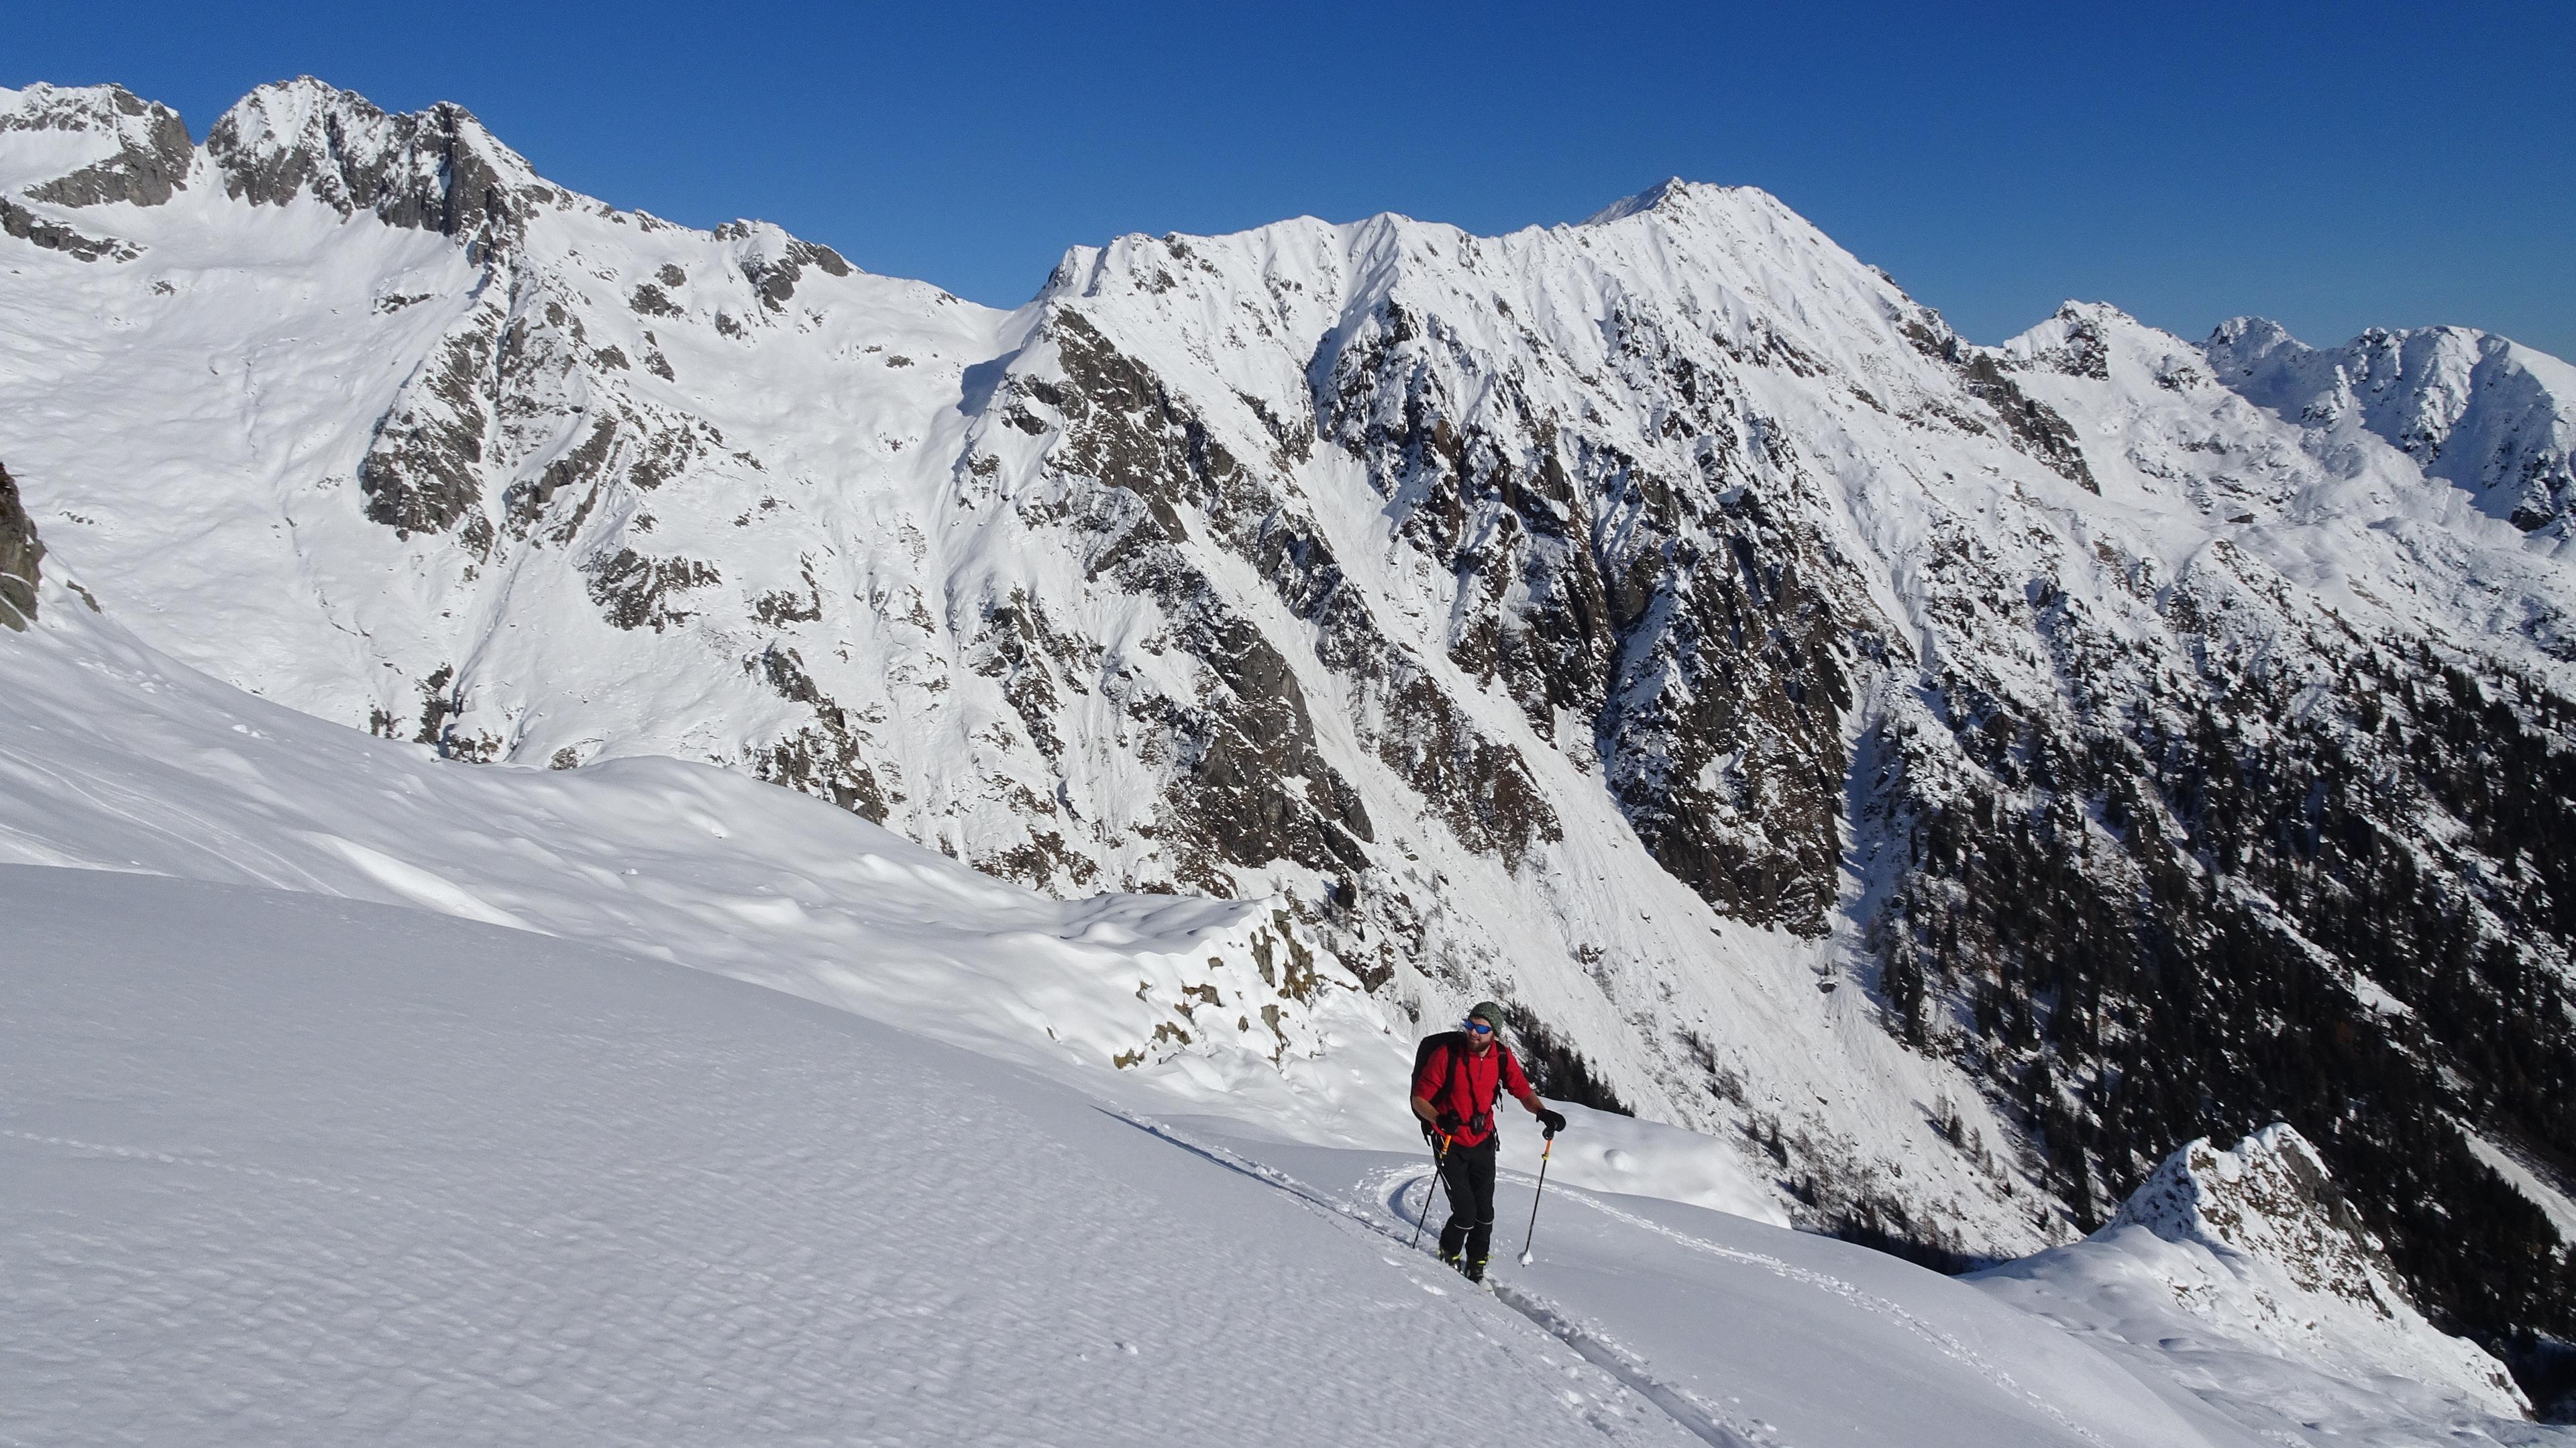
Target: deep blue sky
2334	166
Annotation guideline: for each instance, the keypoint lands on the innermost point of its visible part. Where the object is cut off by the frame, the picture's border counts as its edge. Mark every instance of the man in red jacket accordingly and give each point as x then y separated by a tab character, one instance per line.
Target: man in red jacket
1463	1074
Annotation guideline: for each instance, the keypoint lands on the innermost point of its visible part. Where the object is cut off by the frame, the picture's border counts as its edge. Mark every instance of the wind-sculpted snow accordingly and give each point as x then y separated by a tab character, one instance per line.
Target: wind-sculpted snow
1955	774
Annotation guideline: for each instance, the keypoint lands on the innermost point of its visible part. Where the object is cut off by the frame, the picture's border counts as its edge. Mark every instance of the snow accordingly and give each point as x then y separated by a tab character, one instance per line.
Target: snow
283	1168
55	130
2544	1193
2242	1275
113	756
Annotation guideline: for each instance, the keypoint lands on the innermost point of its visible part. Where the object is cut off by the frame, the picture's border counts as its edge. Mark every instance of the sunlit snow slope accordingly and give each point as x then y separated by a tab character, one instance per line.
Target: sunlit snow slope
279	1168
115	757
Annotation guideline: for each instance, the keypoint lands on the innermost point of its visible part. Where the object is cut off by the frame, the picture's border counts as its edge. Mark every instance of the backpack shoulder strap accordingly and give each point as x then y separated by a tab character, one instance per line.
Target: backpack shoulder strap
1445	1042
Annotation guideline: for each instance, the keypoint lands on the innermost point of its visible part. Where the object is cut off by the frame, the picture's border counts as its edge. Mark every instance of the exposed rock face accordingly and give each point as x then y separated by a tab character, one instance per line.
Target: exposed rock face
22	557
27	226
435	170
152	154
2271	1197
1663	624
772	261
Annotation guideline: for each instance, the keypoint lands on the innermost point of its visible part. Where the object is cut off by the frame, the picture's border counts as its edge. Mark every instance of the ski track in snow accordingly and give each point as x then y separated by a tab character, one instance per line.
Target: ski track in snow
1686	1409
1950	1346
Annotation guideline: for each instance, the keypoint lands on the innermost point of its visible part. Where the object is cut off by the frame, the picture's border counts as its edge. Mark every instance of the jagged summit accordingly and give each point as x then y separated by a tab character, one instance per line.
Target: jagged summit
1671	191
93	144
2469	407
42	106
1674	196
436	169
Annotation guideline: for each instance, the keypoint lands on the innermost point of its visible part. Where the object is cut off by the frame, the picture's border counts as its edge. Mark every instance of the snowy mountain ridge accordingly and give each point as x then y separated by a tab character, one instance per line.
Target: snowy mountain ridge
2472	408
1664	622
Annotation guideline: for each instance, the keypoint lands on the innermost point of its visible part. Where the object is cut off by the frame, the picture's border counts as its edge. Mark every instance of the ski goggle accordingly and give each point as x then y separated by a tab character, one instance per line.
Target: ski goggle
1480	1028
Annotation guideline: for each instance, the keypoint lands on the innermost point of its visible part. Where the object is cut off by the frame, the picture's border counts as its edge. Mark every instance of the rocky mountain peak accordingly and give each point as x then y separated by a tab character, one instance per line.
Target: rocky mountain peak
2271	1197
436	169
109	145
1676	198
1672	191
46	107
2243	342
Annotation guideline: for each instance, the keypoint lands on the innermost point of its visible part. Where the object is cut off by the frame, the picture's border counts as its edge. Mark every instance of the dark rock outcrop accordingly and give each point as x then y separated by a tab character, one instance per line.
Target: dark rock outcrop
153	154
637	592
27	226
22	556
433	170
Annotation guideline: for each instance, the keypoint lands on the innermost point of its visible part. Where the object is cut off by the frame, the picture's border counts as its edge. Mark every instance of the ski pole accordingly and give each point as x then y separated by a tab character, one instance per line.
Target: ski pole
1543	1153
1439	1158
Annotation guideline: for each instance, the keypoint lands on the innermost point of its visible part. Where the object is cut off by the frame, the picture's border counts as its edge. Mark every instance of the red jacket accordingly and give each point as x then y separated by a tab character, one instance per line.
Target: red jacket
1467	1088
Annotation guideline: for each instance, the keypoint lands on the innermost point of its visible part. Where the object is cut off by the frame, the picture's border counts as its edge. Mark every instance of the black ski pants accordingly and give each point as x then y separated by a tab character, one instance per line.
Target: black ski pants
1467	1173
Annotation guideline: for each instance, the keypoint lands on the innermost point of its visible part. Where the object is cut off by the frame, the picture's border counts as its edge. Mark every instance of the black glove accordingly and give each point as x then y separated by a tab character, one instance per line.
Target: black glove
1449	1123
1554	1121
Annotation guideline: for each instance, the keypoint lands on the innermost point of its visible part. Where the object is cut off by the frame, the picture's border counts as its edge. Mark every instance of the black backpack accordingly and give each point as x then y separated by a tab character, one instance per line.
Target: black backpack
1457	1044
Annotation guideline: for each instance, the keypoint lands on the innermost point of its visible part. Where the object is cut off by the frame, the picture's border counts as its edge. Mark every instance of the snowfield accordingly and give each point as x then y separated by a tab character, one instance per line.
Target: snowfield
281	1168
349	1092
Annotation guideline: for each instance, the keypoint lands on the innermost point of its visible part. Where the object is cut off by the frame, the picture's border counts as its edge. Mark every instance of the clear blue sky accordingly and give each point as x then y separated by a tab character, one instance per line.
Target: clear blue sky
2333	166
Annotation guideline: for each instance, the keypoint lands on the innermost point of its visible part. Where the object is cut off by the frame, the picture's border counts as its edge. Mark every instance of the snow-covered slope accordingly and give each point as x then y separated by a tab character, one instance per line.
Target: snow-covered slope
1933	763
514	1182
115	757
283	1169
